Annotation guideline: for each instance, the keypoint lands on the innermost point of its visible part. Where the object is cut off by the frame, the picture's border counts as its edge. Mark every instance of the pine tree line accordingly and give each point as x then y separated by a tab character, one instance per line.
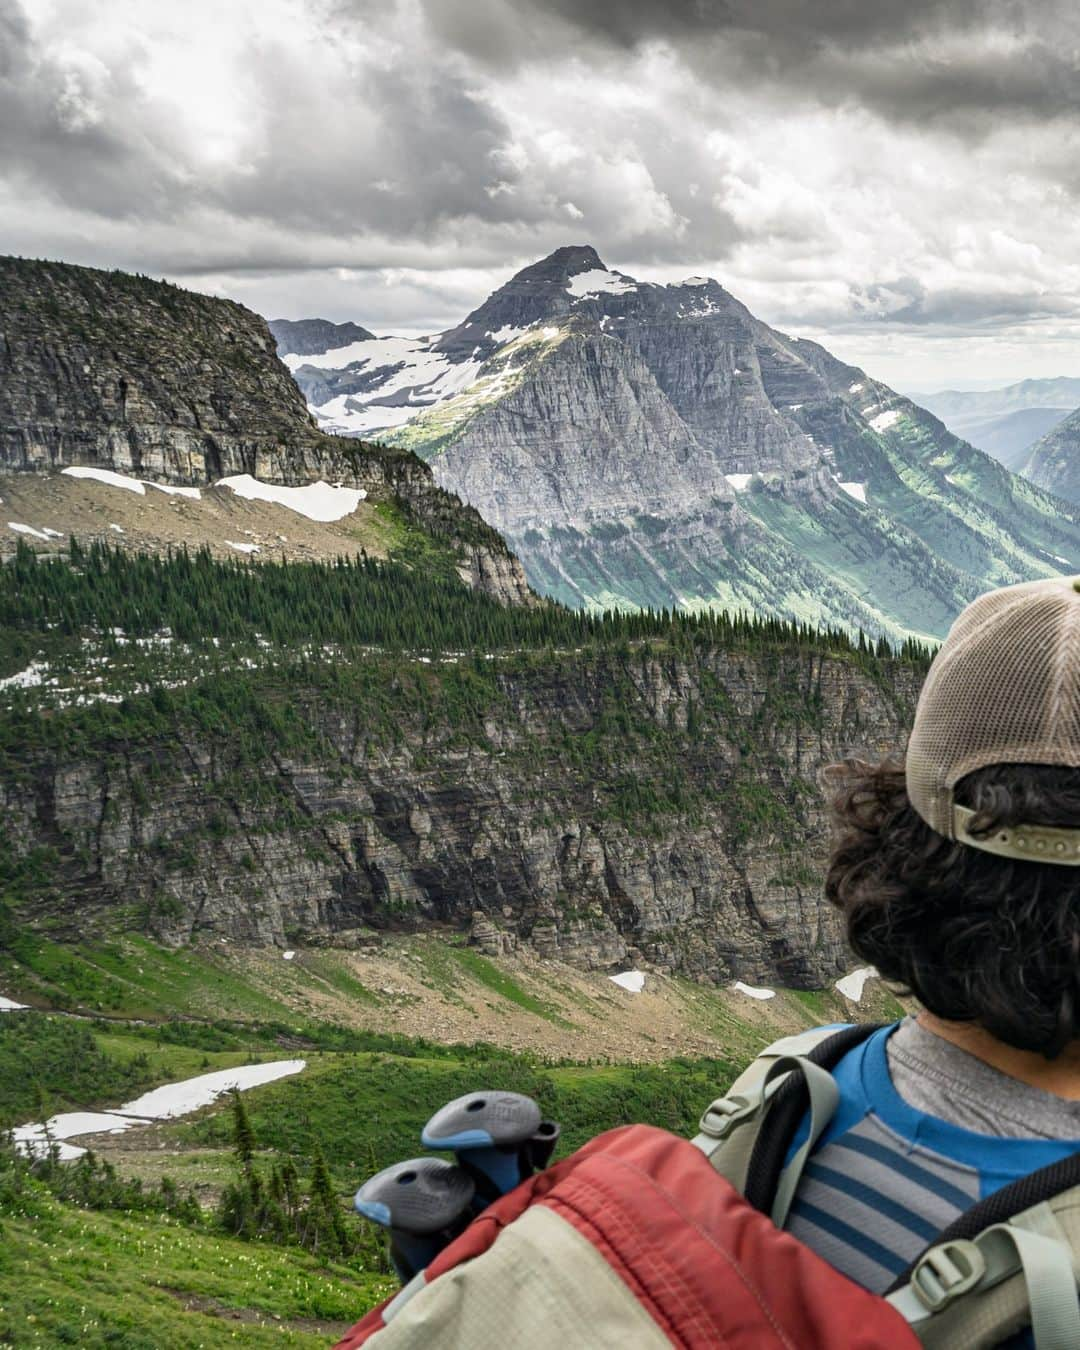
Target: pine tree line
351	602
273	1206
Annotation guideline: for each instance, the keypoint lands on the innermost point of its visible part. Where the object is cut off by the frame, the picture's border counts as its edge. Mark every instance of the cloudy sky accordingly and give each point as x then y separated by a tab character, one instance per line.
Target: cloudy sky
900	180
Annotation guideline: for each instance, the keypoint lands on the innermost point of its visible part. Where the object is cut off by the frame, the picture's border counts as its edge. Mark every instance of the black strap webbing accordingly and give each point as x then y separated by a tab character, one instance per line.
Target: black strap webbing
786	1113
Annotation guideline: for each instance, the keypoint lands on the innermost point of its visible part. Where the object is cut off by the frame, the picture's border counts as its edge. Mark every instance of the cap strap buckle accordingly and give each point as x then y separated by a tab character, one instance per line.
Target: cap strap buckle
1024	843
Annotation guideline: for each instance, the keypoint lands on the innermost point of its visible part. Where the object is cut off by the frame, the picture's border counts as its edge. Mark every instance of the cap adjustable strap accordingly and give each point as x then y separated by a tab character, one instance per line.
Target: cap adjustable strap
1026	843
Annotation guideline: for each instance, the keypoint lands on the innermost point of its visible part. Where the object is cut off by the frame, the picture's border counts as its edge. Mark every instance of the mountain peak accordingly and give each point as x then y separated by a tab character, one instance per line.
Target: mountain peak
544	290
564	263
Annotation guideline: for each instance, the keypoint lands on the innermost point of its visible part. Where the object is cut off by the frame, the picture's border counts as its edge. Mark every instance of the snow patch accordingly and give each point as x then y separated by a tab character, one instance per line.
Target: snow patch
163	1103
242	548
108	477
883	421
1058	558
507	333
794	407
752	992
856	490
739	481
317	501
179	1099
854	388
30	678
599	281
27	529
122	480
851	986
631	980
119	529
694	281
402	377
287	956
9	1004
174	491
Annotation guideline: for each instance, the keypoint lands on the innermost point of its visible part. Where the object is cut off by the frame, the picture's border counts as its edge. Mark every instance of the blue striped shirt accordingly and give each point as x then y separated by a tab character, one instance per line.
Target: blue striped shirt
885	1178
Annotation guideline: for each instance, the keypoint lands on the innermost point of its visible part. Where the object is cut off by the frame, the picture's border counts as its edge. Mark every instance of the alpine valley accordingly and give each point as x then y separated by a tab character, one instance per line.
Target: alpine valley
644	445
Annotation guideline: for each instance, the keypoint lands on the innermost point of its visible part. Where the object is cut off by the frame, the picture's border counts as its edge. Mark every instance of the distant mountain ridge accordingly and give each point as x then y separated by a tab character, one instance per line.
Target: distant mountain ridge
644	444
310	337
1007	422
1054	461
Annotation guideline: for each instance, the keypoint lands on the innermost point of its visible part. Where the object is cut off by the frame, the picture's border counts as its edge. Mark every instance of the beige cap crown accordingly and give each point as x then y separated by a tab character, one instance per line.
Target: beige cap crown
1004	688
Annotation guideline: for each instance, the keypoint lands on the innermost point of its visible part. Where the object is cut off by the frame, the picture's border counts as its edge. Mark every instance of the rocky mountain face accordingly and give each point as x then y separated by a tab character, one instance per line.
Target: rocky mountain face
309	337
118	372
609	807
653	445
1054	462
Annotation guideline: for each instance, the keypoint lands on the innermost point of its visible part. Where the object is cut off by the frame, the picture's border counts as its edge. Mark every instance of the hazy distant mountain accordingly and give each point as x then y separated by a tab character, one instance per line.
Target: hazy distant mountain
1054	462
642	444
1005	423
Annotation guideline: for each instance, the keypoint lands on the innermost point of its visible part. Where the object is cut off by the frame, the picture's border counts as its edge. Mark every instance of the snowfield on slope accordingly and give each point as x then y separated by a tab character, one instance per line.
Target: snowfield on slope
317	501
407	374
121	480
163	1103
633	981
751	991
599	281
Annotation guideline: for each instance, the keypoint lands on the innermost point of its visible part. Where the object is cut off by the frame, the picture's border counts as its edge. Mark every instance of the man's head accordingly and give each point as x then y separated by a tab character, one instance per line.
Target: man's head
950	882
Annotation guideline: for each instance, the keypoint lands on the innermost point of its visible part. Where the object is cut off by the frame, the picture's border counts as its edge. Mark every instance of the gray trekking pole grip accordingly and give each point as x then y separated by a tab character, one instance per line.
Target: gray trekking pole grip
424	1203
499	1138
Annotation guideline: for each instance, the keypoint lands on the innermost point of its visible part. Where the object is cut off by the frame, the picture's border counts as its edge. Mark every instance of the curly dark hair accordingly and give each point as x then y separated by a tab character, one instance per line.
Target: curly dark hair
976	938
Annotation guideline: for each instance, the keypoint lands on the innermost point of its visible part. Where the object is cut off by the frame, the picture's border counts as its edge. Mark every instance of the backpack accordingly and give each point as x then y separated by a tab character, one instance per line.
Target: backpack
643	1239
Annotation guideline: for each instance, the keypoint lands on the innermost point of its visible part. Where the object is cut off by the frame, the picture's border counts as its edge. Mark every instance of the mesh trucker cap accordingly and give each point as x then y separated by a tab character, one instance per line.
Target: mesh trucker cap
1004	688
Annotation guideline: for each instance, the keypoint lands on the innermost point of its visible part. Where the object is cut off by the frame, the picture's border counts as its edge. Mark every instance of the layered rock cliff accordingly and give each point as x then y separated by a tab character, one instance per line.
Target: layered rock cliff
119	372
621	805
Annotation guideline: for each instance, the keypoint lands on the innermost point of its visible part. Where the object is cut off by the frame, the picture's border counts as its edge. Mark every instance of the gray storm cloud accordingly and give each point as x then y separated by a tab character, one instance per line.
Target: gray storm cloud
849	166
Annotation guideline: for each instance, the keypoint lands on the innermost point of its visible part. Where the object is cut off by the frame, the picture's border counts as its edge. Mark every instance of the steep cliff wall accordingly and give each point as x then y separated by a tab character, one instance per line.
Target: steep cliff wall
120	372
621	805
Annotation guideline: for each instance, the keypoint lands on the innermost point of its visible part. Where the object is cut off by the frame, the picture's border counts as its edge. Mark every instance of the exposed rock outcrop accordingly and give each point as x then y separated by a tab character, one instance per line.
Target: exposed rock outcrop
120	372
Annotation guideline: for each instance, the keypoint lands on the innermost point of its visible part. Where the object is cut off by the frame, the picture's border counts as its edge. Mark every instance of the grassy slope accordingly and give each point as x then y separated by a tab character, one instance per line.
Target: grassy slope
74	1277
135	1281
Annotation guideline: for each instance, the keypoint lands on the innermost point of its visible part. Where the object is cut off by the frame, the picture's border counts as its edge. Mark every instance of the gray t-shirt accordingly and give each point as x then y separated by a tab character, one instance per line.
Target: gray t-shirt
935	1076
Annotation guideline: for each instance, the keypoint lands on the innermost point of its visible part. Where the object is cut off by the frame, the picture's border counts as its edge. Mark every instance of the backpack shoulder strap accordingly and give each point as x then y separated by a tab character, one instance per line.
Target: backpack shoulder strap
970	1293
1009	1262
796	1072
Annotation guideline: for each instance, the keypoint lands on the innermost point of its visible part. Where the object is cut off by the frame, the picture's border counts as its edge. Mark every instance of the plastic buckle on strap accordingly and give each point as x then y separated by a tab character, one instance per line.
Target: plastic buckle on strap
947	1271
725	1113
